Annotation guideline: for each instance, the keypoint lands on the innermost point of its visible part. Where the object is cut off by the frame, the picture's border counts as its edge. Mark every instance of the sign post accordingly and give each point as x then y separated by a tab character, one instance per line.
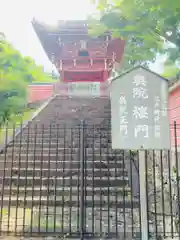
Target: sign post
139	101
143	197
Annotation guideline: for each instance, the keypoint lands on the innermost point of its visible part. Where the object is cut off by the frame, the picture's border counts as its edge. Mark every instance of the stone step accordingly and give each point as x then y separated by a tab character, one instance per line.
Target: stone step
66	181
71	135
65	191
29	171
74	115
45	149
68	198
61	131
67	121
51	153
119	202
59	144
19	157
90	132
51	131
55	149
53	126
64	141
68	137
40	126
59	164
68	143
43	143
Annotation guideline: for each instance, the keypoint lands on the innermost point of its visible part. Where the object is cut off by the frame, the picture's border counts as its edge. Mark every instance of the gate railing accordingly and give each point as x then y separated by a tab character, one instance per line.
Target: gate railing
68	182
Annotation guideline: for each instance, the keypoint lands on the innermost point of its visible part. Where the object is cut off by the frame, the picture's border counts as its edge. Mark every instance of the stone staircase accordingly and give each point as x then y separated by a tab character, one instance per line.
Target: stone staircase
41	177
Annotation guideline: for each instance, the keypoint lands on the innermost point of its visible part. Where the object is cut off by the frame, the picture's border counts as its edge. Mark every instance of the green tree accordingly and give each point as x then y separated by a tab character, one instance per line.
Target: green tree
171	71
16	72
147	26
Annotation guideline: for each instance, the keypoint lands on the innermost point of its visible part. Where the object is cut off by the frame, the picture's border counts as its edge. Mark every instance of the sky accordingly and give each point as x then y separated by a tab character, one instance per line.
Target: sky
15	23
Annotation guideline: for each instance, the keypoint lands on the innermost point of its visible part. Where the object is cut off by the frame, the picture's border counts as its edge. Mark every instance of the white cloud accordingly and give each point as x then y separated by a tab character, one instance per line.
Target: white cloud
16	16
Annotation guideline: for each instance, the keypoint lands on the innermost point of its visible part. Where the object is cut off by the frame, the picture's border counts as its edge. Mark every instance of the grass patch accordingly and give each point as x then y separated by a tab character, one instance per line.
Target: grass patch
15	121
14	218
19	219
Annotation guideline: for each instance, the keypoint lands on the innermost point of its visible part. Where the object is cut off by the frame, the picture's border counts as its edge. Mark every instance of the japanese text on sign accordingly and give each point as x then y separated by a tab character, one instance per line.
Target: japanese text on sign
123	115
138	105
157	128
139	90
140	112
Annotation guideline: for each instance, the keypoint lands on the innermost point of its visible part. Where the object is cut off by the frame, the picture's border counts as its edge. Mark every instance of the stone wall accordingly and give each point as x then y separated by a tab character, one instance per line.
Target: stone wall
162	193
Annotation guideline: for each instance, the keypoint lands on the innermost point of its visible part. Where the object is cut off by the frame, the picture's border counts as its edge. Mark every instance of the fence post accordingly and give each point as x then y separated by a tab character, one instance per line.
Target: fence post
82	182
143	194
177	179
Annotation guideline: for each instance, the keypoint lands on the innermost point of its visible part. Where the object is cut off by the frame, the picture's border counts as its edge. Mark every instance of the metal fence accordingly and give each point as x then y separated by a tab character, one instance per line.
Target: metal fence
67	182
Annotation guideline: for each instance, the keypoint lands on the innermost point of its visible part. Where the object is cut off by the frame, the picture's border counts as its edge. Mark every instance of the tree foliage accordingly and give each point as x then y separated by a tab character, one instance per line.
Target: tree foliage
149	27
16	72
171	71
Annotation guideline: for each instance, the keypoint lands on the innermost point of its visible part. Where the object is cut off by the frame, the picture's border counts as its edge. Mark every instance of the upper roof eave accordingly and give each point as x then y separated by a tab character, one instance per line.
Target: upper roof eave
60	26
